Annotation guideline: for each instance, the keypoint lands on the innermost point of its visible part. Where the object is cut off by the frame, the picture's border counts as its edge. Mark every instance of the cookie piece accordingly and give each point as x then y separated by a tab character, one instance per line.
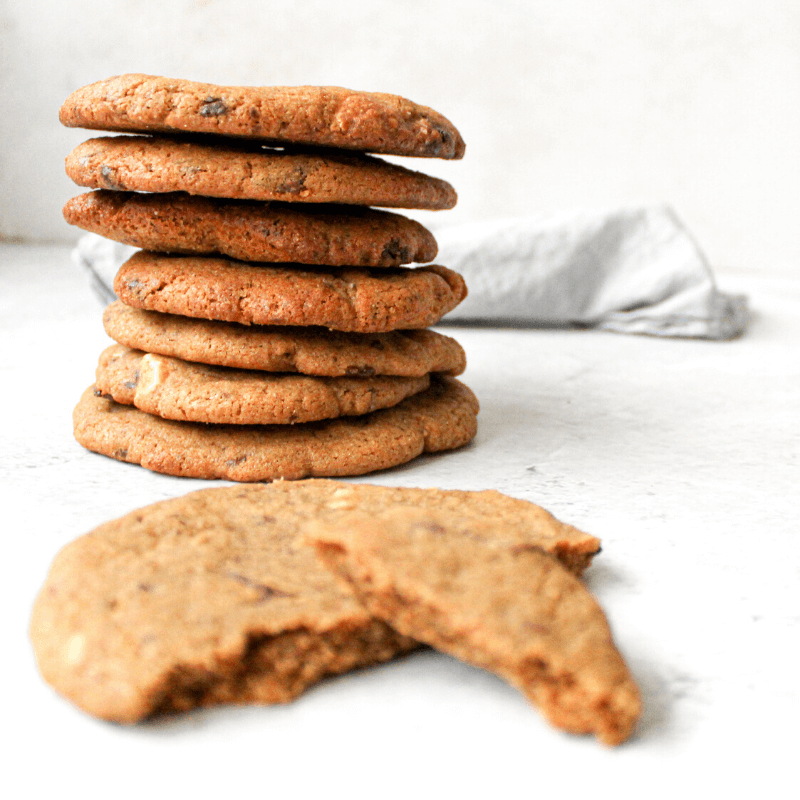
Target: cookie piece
441	418
489	517
326	116
251	231
199	601
362	300
252	172
310	351
183	390
514	610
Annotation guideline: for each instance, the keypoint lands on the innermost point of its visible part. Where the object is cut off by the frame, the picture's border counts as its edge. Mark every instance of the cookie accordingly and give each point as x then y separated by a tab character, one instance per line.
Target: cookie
211	598
325	116
443	417
310	351
199	601
252	231
362	300
251	172
489	517
183	390
511	609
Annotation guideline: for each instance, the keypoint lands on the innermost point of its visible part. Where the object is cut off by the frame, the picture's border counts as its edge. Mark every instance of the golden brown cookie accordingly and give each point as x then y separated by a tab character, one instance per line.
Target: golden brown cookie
362	300
514	610
184	390
443	417
243	171
252	231
489	517
199	601
210	598
310	351
326	116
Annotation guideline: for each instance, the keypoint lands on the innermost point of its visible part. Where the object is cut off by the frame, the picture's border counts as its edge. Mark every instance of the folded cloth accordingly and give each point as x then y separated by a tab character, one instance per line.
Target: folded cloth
101	258
631	271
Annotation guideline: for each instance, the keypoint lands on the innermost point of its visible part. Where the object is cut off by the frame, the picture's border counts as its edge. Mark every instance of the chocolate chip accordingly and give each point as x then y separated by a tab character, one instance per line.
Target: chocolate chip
265	592
537	627
395	251
294	183
108	175
213	107
360	371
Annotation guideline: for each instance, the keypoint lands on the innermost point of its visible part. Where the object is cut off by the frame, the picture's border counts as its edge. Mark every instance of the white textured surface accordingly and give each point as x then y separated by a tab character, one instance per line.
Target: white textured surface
682	456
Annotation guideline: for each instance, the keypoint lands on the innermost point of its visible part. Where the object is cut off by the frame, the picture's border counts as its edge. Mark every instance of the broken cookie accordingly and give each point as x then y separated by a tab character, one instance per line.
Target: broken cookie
511	609
211	598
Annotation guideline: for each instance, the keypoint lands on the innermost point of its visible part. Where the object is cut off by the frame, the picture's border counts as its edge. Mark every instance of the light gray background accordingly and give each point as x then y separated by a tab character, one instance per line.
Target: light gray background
563	103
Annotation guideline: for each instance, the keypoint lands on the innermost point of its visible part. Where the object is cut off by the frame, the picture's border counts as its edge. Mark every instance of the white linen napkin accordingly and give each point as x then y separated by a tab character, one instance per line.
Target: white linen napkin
630	271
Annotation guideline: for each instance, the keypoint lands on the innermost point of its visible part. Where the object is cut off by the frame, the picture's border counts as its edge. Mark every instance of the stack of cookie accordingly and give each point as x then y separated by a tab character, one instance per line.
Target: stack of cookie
269	326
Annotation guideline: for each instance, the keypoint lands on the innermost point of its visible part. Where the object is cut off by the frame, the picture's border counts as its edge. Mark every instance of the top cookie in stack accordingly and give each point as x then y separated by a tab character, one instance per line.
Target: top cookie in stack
269	327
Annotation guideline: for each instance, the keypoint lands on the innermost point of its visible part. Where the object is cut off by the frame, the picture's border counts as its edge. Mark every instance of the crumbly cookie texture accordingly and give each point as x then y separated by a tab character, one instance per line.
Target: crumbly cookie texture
488	517
361	300
252	172
183	390
198	601
327	116
514	610
443	417
211	598
252	231
310	350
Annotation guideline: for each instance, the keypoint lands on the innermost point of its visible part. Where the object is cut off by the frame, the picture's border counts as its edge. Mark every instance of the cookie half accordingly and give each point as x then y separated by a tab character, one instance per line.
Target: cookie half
327	116
360	300
252	231
310	351
443	417
488	517
198	601
252	172
184	390
514	610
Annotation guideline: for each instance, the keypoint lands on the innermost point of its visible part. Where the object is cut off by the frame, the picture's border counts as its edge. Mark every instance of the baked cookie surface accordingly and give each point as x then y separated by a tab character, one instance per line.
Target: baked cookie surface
514	610
252	231
443	417
198	601
183	390
164	164
327	116
211	597
310	351
360	300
